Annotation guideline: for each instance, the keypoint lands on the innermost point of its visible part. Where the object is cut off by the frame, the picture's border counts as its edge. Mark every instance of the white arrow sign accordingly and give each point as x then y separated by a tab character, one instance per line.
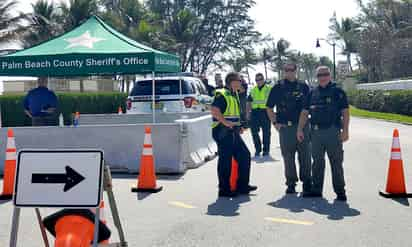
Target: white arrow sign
59	178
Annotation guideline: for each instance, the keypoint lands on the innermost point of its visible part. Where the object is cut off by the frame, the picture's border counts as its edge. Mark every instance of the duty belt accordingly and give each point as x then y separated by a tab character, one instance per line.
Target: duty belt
320	127
235	120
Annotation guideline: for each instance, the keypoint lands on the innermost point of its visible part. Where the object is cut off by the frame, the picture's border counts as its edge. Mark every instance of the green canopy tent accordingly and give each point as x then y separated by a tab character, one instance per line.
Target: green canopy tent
93	48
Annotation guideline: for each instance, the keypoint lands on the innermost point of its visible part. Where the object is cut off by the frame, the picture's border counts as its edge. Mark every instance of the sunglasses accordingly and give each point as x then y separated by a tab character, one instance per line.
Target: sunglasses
323	75
259	79
290	70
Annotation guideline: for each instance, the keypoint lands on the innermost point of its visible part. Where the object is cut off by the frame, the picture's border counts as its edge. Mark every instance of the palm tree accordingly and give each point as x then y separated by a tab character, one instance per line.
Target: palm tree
280	52
242	61
11	27
44	24
76	12
346	31
308	64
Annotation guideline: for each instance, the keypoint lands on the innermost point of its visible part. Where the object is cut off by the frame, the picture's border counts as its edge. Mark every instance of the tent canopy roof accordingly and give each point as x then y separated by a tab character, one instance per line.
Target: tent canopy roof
93	48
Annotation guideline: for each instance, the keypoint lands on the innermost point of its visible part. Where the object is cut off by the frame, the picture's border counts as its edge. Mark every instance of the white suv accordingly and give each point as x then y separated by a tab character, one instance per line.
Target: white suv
172	94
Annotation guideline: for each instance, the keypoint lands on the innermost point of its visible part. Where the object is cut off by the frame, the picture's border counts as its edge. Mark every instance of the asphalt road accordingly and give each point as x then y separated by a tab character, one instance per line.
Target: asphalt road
188	213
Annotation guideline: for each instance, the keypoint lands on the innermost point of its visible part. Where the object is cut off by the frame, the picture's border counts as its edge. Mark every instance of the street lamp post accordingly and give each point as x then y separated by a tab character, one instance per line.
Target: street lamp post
265	62
333	44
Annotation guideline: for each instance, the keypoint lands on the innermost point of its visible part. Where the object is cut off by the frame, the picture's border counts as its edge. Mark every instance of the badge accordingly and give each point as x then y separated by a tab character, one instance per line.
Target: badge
328	100
315	127
289	123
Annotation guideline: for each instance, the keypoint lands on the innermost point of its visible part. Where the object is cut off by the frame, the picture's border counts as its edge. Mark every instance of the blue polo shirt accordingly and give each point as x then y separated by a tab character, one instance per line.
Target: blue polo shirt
40	99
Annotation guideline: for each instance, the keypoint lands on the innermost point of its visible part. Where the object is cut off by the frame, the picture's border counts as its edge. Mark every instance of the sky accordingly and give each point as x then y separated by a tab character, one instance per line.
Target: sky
299	21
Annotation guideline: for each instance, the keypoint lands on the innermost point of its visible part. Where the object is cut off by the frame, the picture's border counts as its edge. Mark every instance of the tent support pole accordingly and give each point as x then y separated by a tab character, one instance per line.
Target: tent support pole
153	98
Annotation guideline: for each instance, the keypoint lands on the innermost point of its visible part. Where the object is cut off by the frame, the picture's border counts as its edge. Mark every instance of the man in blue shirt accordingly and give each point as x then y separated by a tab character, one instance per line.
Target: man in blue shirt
40	105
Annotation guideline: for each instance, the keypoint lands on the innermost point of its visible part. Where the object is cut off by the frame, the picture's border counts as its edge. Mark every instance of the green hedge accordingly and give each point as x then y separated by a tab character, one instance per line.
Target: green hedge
399	102
12	111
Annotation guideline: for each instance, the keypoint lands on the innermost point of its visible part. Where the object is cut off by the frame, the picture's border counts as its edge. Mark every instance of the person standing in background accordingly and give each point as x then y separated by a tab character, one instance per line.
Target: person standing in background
256	113
40	104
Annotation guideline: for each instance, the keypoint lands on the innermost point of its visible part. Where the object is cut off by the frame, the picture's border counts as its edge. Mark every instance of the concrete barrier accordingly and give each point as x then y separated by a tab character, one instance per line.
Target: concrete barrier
122	144
177	146
197	138
115	119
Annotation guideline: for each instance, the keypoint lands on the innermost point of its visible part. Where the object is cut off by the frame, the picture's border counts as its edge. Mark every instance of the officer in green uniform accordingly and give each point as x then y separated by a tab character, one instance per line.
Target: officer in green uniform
256	113
226	130
289	96
329	120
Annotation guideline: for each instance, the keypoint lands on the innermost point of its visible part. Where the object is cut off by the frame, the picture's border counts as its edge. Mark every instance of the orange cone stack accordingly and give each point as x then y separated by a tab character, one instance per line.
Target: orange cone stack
75	227
119	110
147	174
9	167
234	175
395	187
68	232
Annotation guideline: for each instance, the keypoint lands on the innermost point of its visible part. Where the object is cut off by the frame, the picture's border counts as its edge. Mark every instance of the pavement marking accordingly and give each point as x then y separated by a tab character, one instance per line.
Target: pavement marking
295	222
181	205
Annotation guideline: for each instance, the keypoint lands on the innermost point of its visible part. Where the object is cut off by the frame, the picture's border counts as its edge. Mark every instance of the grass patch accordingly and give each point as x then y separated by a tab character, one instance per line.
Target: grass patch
380	115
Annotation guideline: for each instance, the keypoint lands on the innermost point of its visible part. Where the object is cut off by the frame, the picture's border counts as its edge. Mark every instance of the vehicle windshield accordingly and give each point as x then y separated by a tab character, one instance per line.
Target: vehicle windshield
163	87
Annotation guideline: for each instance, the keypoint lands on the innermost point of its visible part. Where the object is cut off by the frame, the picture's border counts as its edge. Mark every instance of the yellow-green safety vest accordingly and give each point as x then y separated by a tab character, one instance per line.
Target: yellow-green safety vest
260	97
232	112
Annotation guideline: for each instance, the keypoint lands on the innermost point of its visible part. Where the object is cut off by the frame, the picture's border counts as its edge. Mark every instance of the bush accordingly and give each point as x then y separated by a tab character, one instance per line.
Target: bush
399	102
12	111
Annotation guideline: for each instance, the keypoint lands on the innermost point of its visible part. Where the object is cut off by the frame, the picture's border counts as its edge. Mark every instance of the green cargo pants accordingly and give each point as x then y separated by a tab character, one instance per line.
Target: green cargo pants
327	140
289	145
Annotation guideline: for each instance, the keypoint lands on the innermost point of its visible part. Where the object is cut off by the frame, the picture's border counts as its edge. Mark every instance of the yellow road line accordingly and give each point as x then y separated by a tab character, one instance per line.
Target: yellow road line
295	222
181	205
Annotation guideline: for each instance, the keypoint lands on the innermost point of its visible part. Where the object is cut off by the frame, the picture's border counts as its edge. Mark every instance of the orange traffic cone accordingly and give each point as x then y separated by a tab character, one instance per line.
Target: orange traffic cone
74	227
68	232
234	175
9	167
147	174
119	110
395	187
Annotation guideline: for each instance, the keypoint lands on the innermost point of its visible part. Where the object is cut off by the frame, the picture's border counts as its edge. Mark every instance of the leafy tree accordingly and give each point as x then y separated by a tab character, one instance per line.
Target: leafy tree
203	29
280	52
385	37
11	27
75	12
346	34
242	61
44	23
308	65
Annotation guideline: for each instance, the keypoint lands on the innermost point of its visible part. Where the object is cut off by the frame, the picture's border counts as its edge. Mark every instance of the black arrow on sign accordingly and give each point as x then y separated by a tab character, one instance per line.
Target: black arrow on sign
71	178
